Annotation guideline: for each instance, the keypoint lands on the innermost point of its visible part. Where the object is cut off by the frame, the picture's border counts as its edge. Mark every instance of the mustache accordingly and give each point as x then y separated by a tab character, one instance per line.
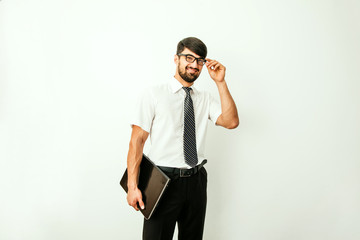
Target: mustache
192	68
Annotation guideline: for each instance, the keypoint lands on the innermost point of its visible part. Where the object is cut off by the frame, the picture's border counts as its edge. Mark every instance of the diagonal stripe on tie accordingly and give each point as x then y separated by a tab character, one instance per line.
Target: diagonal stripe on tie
190	151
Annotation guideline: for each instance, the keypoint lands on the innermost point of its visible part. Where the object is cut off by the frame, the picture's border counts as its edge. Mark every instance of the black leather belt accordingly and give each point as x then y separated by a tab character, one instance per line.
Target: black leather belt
183	172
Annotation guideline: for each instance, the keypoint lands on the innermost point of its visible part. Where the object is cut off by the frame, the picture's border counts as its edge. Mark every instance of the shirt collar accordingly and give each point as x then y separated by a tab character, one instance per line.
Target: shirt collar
175	86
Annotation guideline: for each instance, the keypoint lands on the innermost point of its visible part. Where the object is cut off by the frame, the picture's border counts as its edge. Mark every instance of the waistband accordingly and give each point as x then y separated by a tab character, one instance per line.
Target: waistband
183	172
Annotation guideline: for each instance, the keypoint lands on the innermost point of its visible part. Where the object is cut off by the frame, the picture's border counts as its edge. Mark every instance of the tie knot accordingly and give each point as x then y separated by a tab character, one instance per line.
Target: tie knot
187	90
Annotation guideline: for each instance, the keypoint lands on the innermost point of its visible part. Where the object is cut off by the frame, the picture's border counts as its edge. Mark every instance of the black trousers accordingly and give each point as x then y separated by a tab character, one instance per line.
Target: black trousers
184	202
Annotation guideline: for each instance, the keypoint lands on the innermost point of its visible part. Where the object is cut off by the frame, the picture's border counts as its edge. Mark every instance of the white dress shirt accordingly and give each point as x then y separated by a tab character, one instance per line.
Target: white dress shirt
160	111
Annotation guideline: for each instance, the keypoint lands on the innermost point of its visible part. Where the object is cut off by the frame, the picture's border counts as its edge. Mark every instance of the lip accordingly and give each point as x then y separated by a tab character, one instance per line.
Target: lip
192	70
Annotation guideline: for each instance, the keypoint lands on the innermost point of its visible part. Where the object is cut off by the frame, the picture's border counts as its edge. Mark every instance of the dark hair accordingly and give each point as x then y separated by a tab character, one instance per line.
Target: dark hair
194	44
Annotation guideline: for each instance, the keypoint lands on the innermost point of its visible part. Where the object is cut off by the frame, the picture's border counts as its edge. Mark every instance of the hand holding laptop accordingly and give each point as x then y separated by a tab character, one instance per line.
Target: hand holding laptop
134	198
151	186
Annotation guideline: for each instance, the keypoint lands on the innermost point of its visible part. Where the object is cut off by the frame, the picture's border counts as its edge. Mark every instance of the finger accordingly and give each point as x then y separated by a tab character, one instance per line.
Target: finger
139	201
218	65
141	204
212	62
208	61
134	205
212	65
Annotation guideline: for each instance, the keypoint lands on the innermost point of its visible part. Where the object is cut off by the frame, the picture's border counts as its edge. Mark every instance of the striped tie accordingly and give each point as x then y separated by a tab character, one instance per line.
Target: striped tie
190	152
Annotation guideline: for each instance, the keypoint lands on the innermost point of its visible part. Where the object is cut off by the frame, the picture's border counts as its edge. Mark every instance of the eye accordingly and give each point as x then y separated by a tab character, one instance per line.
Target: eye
201	62
190	58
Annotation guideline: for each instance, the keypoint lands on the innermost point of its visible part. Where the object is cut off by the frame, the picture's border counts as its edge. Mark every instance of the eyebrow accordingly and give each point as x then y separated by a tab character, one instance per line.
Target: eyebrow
194	56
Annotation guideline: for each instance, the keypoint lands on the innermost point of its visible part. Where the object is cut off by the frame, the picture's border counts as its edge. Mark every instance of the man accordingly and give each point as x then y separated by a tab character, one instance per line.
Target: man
175	115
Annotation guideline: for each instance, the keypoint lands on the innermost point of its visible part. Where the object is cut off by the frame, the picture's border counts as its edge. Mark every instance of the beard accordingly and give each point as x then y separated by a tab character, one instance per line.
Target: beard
188	77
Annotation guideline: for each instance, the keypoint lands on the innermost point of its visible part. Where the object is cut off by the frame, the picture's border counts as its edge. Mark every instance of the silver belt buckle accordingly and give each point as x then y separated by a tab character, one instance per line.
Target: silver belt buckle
185	172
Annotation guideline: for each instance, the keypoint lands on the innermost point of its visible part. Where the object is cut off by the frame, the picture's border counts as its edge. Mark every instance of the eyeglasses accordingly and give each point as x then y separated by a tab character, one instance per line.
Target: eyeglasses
190	58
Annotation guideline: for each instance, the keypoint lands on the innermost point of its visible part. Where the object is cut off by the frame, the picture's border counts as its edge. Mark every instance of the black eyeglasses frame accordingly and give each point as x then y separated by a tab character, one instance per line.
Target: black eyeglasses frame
195	58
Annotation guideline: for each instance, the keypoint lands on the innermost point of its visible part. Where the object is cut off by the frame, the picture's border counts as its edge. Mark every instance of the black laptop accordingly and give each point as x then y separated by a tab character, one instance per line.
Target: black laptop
152	183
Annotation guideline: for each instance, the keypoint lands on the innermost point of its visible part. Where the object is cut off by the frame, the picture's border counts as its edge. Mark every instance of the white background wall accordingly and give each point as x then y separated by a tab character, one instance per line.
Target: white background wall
69	71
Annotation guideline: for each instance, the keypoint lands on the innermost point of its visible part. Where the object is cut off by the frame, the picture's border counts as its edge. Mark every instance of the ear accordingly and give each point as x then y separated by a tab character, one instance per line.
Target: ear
176	59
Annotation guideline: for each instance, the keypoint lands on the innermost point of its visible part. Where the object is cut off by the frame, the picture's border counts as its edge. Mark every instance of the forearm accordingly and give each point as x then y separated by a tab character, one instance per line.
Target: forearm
229	112
133	162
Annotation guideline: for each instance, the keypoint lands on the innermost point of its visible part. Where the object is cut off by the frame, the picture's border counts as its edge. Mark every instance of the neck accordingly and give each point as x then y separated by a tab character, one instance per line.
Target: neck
182	81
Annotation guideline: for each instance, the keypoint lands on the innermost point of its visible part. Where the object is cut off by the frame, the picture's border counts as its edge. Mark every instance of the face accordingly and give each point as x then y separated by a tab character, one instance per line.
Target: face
188	71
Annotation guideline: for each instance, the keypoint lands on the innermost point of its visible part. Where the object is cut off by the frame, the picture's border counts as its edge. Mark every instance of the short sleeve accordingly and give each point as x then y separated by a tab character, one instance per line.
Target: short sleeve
214	109
144	111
